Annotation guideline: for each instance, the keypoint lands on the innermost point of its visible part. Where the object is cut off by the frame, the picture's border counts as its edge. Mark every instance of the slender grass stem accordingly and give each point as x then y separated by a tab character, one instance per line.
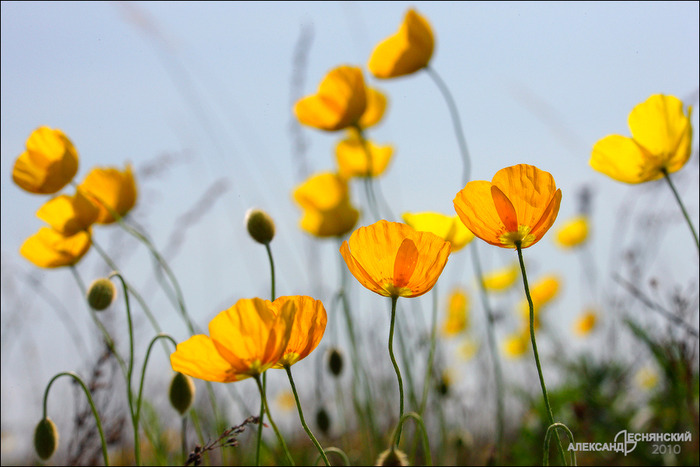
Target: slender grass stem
431	352
313	439
667	176
272	272
272	422
90	401
394	299
424	434
338	451
550	417
548	435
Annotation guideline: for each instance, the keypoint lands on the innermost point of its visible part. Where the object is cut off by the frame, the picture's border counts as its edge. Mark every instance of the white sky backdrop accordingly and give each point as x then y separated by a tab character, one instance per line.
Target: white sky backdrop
209	85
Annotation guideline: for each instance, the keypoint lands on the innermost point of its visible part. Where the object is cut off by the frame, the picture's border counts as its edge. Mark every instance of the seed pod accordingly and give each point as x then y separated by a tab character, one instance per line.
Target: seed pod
101	294
260	226
181	392
323	420
335	362
45	438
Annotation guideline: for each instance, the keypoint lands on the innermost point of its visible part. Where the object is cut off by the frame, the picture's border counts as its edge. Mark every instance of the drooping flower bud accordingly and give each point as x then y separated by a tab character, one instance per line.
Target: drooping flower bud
335	362
323	420
392	456
45	438
260	225
181	392
101	294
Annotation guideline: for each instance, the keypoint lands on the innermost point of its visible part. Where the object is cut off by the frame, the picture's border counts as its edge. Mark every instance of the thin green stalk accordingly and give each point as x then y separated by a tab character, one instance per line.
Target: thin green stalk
272	272
338	451
394	299
139	398
456	123
405	356
431	353
90	401
264	379
493	350
548	435
424	434
313	439
667	176
130	369
183	434
272	422
550	417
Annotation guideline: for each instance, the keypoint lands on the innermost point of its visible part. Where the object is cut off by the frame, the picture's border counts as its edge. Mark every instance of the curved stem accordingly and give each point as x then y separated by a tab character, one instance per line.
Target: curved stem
396	366
338	451
258	439
313	439
680	203
419	420
143	370
548	435
550	417
90	401
456	123
272	422
272	272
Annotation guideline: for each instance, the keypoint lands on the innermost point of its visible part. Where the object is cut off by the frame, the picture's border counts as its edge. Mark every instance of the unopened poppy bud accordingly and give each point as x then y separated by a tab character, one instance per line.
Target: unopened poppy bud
392	456
45	438
181	392
260	226
335	362
101	294
323	420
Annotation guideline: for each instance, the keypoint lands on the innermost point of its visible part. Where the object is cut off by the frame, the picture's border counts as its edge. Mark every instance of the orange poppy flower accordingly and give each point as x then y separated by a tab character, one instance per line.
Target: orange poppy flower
49	248
68	214
340	101
49	163
325	200
351	155
376	106
448	228
516	208
394	260
111	187
457	319
405	52
246	339
307	330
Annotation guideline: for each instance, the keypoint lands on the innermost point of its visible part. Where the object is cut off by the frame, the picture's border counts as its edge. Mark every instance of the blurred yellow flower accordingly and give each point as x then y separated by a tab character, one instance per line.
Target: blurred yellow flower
542	292
457	319
517	344
50	249
49	163
110	187
285	400
307	329
394	260
351	156
406	51
325	201
246	339
518	206
647	378
68	215
449	228
573	233
501	279
467	349
586	323
376	106
339	103
660	142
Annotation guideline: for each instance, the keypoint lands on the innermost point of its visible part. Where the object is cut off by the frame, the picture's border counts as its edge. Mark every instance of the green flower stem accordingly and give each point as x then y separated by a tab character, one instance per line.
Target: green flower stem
183	434
403	348
90	401
424	434
534	349
394	299
130	370
680	203
493	350
338	451
272	272
431	353
461	141
143	370
369	180
548	435
272	422
313	439
258	439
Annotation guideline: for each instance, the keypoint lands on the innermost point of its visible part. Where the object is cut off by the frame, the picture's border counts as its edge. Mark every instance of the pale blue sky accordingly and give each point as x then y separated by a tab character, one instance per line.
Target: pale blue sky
209	84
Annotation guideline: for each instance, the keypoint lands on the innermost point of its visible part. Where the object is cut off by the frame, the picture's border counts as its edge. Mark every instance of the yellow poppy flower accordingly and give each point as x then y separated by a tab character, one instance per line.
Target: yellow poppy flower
661	141
111	187
246	339
448	228
351	156
376	106
457	319
501	279
325	200
467	349
405	52
586	323
50	249
517	344
394	260
285	401
307	329
542	292
573	233
49	163
68	214
519	205
340	101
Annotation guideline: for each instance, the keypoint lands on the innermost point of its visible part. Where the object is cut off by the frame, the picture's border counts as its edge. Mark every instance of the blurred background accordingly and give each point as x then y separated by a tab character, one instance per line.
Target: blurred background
198	97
